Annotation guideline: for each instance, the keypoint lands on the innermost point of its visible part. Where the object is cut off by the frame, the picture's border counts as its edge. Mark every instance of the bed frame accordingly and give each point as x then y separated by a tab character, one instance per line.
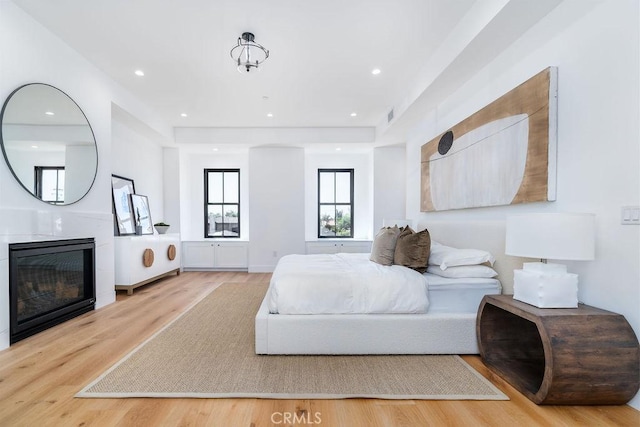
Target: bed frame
429	333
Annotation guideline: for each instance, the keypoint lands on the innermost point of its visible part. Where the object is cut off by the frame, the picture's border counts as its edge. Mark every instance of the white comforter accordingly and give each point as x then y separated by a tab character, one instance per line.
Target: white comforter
344	283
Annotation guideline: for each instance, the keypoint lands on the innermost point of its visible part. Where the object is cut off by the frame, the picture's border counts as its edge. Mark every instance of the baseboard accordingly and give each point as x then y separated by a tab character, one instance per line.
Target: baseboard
105	298
4	339
261	268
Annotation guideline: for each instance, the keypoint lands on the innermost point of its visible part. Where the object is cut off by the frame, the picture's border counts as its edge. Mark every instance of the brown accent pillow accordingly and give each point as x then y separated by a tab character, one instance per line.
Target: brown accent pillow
384	245
412	249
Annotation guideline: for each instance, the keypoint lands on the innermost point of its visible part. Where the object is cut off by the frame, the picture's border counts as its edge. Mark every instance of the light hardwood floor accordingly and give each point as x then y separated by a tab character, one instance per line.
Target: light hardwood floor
39	377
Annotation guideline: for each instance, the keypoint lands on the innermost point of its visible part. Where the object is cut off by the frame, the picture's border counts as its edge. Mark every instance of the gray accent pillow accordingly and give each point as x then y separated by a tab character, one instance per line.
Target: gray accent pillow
412	249
384	245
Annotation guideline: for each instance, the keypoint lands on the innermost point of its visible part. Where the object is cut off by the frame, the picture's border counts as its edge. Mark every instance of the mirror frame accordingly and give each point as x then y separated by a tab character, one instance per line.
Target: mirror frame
6	157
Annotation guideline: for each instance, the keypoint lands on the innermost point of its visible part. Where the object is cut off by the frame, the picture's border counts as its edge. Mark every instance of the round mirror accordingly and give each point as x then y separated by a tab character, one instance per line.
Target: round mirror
48	144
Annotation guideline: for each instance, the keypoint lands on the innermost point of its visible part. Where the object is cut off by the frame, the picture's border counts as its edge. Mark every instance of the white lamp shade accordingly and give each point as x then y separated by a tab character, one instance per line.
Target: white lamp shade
559	236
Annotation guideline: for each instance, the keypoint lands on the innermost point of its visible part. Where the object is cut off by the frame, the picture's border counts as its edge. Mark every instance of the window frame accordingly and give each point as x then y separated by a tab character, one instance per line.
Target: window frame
222	204
351	172
37	180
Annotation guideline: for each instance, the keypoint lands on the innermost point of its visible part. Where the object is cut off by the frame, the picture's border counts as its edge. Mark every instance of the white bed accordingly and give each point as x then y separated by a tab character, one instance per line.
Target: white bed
448	326
344	283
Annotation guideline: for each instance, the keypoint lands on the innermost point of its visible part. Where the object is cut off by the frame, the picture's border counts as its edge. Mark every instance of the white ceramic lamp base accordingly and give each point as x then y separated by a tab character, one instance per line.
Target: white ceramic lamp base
546	286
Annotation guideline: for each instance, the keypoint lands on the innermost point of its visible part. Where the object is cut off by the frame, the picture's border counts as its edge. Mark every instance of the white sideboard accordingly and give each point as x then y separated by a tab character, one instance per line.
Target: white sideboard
213	255
142	259
337	246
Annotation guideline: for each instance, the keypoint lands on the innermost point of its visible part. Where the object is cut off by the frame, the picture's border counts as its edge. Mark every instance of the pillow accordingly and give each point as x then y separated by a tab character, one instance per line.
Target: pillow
463	271
384	245
412	249
446	256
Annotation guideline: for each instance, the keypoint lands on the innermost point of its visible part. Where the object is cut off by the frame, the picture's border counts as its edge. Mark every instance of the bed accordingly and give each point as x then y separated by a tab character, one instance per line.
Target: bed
447	326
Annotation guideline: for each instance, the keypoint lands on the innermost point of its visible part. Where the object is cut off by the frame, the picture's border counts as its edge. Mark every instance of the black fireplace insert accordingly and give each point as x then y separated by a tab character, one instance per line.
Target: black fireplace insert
49	282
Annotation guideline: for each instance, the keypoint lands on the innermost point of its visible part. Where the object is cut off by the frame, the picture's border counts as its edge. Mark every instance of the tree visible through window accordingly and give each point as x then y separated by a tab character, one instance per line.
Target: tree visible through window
222	202
49	183
335	202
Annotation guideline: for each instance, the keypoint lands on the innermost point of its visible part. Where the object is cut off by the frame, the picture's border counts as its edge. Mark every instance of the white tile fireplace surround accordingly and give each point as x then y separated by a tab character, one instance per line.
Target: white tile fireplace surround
29	225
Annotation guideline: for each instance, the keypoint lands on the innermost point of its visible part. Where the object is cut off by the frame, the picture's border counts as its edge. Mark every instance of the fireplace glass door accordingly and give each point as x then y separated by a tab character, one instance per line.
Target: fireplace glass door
50	282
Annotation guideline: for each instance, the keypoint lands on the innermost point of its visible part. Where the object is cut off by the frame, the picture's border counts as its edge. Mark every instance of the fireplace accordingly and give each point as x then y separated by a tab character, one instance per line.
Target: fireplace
49	282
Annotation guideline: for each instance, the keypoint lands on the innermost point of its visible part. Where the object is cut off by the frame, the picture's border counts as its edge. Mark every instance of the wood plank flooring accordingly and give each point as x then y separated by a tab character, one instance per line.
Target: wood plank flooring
40	375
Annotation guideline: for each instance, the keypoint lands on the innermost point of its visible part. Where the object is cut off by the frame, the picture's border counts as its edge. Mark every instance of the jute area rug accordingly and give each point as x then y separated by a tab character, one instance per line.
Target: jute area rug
208	352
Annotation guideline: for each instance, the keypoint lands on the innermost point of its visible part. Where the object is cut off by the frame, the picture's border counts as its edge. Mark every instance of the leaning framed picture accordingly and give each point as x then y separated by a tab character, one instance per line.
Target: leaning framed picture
141	213
122	188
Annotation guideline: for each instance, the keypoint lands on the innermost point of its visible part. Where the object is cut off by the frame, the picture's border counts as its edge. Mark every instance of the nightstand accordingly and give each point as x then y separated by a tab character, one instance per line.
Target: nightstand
575	356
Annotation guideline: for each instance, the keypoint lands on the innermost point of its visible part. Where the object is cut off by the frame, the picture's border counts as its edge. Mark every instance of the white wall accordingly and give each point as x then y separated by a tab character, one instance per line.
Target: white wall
171	189
276	214
598	138
30	53
362	164
192	166
140	158
389	183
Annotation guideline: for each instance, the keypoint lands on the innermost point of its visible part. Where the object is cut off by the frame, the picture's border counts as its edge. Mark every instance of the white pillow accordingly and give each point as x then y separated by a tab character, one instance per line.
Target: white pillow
446	256
463	271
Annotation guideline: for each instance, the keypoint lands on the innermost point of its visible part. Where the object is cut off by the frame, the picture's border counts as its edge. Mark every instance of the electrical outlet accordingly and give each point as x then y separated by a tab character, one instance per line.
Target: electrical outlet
630	215
275	254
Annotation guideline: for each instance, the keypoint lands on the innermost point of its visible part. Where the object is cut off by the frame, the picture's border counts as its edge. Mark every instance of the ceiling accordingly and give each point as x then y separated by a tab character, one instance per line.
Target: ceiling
321	54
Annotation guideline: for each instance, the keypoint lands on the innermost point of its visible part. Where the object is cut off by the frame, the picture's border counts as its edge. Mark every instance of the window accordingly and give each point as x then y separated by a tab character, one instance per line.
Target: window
222	202
335	202
49	183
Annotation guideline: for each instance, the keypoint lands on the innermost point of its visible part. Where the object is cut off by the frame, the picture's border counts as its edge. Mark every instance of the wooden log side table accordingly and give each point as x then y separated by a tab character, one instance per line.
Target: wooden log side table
558	356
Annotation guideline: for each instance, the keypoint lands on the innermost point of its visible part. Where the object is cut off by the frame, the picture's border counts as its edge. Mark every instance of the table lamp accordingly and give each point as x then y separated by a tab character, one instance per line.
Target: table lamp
557	236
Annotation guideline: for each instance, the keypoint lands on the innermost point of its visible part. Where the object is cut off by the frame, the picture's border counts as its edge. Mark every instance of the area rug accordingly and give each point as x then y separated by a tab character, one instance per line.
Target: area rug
208	352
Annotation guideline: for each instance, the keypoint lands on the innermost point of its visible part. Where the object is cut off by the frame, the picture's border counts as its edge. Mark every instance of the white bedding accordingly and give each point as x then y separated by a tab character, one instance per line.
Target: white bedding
462	295
344	283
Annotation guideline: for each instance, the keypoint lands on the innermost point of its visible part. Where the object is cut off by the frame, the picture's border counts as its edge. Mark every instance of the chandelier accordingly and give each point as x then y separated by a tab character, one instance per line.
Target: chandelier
248	54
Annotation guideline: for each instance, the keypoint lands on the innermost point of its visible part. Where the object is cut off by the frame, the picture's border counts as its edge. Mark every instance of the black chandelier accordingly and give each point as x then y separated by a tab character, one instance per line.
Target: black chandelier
247	53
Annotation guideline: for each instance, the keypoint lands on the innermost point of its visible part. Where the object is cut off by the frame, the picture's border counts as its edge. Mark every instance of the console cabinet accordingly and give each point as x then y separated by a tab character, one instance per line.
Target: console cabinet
574	356
143	259
215	255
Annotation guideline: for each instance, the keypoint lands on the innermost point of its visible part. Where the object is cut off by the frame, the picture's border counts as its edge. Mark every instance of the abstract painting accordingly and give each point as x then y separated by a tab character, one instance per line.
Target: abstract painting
503	154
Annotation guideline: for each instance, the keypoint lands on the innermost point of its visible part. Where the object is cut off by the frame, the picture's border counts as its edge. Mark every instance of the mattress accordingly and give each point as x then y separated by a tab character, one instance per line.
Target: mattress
458	295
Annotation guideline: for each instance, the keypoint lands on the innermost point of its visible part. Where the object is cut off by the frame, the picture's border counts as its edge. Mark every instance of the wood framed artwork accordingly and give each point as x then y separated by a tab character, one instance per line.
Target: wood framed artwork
501	155
121	189
141	213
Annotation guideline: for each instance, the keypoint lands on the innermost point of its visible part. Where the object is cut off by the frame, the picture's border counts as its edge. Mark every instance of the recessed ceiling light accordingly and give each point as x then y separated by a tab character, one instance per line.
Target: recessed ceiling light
269	114
375	71
338	149
34	146
139	73
215	149
49	113
183	114
354	114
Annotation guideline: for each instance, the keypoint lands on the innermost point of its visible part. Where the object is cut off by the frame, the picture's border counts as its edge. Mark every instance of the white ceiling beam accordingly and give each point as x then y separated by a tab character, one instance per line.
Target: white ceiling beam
483	33
290	136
